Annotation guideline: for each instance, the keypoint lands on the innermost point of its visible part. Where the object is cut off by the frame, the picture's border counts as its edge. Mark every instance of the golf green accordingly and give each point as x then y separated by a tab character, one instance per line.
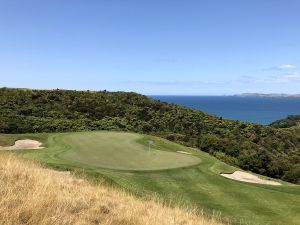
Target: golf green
121	151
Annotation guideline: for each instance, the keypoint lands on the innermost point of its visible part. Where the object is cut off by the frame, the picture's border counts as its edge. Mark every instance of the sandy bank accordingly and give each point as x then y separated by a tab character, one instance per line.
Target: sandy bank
23	144
248	177
182	152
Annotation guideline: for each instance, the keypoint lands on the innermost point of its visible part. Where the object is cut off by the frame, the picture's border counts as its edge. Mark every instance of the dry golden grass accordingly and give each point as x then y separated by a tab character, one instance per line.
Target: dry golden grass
30	194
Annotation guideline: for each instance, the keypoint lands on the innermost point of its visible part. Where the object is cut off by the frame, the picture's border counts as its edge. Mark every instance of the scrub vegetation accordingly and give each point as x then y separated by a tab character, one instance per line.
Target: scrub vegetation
262	149
290	121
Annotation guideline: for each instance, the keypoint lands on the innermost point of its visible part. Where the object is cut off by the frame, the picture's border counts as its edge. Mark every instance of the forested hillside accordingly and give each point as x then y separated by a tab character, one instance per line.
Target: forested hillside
261	149
290	121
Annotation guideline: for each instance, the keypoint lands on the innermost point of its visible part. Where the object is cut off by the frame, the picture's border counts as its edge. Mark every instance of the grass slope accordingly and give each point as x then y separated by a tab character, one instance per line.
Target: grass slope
30	194
199	185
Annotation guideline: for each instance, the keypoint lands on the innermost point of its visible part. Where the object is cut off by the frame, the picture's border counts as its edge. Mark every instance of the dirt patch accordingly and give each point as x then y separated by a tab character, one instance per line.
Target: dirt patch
23	144
182	152
248	177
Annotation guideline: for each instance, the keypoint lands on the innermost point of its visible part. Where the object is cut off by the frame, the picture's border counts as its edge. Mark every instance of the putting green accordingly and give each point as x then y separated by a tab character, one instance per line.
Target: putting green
122	151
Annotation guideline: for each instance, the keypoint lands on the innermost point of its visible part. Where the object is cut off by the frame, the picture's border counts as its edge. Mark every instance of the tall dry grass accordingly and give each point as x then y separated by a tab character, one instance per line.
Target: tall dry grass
30	194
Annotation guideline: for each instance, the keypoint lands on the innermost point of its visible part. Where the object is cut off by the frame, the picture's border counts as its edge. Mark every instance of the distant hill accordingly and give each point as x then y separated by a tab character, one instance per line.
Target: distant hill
262	149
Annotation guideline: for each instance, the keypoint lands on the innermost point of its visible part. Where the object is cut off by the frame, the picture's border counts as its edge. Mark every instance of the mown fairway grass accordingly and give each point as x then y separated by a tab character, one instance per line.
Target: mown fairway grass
118	151
123	158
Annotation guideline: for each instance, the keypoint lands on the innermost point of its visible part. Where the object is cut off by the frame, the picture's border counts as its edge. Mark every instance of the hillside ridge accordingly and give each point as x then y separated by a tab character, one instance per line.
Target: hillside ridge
262	149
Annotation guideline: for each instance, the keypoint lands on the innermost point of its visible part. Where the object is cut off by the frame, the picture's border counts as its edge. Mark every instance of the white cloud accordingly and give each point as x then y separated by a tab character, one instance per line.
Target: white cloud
288	77
283	78
292	75
286	66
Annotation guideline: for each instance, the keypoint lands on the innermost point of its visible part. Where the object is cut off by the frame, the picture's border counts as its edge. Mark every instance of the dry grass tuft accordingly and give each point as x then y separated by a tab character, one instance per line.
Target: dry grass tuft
30	194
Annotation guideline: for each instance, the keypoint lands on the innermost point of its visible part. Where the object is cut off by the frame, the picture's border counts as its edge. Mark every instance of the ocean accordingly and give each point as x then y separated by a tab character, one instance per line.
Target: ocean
261	110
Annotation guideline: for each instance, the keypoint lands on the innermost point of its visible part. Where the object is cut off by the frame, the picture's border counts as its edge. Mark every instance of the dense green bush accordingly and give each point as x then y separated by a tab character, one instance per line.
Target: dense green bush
262	149
293	175
290	121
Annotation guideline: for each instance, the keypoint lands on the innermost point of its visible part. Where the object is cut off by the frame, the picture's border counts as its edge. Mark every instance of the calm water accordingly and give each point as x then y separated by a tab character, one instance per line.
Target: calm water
252	109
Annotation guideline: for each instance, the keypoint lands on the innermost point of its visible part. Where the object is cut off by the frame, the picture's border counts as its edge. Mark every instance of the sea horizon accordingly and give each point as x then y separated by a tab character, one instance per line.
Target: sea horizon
256	109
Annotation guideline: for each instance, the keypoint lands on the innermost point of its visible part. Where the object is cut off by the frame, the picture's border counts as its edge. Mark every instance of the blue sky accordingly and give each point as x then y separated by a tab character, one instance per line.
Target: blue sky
174	47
